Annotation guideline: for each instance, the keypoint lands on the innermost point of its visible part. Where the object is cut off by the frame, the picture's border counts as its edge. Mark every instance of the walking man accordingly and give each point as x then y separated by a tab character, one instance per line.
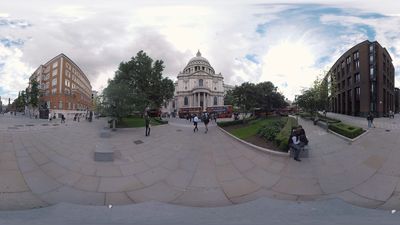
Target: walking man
206	120
294	143
147	122
195	121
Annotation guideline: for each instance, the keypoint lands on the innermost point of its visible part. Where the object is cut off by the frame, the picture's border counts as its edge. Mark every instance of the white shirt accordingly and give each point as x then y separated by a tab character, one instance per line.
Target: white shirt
295	140
195	119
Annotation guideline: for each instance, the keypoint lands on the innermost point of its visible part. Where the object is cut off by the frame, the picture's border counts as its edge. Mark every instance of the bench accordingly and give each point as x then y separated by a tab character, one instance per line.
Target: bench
104	152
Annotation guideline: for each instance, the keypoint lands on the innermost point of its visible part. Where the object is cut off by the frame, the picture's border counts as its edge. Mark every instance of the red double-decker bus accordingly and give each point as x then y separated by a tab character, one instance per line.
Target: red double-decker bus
224	111
185	111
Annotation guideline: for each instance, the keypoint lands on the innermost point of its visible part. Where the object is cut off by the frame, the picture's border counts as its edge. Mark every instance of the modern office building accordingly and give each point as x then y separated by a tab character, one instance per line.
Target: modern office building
63	86
362	81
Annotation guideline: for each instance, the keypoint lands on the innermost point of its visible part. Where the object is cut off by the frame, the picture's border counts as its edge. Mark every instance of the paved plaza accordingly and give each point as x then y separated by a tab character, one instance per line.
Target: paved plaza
42	164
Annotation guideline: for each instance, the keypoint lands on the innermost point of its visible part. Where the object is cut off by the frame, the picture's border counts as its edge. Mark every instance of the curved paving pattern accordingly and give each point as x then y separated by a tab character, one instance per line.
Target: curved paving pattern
174	165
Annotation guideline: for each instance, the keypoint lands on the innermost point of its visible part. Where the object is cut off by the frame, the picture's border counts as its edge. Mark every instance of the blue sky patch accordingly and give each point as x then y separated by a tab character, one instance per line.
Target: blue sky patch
252	58
10	43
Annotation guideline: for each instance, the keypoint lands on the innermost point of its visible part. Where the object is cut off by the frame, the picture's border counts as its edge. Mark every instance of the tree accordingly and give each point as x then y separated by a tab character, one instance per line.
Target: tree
228	98
243	97
317	97
137	85
33	95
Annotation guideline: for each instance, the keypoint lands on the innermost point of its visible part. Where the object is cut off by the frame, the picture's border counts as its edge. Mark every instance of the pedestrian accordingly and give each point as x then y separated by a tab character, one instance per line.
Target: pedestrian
190	118
49	117
206	120
147	122
372	119
303	136
215	117
62	118
294	143
195	121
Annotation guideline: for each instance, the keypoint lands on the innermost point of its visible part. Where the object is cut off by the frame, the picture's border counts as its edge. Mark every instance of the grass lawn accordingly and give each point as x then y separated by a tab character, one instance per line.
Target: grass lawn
135	122
251	128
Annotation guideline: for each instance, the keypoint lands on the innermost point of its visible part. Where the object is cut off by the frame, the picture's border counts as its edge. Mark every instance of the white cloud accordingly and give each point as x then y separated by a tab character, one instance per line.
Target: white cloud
99	36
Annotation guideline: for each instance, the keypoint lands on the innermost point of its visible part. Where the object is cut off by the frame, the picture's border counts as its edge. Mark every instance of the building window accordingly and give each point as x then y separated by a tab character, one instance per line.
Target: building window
67	83
356	55
215	100
67	91
54	72
357	93
349	81
186	101
371	58
54	91
54	82
201	82
68	74
55	64
357	64
371	72
357	78
371	48
60	105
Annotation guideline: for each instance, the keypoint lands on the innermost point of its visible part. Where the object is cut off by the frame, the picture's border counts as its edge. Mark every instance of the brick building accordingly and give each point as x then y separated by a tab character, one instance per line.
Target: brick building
63	86
362	81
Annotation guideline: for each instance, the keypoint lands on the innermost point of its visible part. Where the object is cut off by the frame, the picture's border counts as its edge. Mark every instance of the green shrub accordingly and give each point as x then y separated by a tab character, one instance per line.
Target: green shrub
282	137
346	130
270	130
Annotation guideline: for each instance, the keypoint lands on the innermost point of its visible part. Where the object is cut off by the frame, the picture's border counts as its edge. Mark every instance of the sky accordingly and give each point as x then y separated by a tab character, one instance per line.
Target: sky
289	43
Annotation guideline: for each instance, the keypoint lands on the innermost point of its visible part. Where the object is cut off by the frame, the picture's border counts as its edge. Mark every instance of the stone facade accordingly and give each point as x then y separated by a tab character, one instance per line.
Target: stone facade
198	86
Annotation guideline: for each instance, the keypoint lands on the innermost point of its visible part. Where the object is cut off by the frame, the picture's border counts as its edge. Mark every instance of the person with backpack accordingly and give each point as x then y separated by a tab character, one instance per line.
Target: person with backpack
294	143
195	121
303	137
206	120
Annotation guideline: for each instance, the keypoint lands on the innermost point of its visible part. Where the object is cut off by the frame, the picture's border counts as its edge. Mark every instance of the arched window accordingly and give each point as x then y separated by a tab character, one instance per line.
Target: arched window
215	100
201	82
186	101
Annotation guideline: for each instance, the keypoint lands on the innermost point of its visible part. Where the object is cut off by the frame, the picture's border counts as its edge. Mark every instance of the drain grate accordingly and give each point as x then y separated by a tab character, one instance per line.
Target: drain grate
387	130
45	124
179	130
138	142
29	125
56	124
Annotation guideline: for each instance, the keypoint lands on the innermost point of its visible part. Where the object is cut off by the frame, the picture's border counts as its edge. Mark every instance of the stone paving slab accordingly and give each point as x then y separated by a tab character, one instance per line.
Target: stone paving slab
182	168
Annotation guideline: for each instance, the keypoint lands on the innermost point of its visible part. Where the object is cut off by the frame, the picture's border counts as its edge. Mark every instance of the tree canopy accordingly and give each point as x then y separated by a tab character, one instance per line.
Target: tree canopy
138	84
263	95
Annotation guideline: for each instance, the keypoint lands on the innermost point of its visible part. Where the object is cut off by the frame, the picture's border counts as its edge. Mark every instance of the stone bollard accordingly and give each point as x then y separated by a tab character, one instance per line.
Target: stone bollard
104	152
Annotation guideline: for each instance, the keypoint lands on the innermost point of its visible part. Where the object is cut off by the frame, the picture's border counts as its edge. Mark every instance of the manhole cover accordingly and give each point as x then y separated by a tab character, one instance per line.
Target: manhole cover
29	125
387	130
179	130
45	124
138	142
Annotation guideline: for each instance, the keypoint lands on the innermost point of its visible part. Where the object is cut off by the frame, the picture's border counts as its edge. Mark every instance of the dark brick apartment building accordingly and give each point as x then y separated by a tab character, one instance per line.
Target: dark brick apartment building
363	81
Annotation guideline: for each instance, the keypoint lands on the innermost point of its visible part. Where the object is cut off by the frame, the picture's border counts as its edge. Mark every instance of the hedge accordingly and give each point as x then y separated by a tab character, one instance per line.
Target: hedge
160	121
346	130
282	139
235	122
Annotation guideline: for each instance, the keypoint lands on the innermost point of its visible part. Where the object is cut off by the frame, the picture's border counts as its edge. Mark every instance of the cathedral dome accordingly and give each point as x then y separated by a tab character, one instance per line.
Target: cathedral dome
199	62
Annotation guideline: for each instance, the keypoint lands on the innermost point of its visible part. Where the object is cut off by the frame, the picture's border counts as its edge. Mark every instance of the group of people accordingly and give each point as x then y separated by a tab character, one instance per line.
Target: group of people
297	141
205	118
